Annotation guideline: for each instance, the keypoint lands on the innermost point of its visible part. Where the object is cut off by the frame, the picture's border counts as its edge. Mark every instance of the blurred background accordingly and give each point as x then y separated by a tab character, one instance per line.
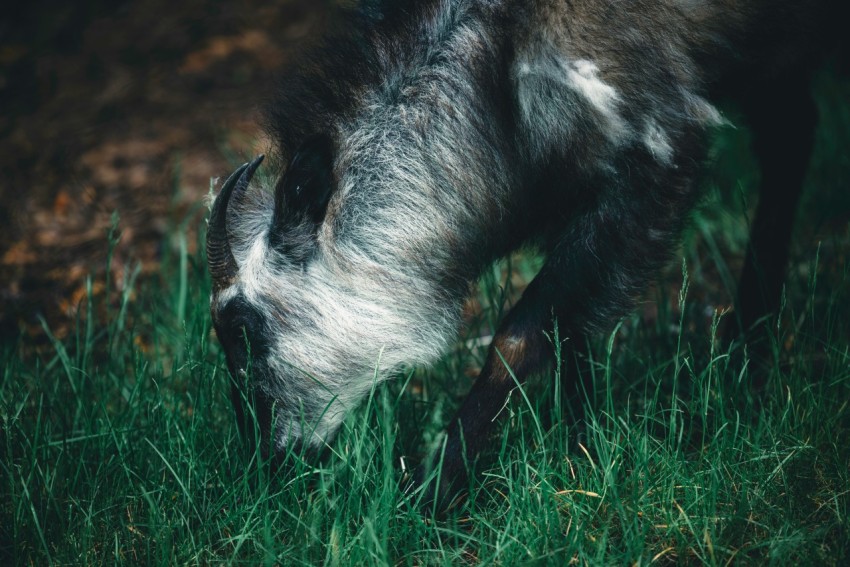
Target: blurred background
130	107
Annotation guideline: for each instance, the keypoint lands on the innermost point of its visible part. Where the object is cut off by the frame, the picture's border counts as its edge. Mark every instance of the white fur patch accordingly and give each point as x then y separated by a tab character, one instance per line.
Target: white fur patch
583	75
253	269
703	111
656	140
584	78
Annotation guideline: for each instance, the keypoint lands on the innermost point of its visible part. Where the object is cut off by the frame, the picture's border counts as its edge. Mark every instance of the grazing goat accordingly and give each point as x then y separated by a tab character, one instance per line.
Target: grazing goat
423	140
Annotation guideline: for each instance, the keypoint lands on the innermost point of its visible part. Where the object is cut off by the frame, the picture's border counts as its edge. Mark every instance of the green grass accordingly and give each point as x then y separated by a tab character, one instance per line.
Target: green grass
119	445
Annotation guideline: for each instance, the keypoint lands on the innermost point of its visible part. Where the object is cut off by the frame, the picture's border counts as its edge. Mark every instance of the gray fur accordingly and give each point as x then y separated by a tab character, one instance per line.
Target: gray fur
446	127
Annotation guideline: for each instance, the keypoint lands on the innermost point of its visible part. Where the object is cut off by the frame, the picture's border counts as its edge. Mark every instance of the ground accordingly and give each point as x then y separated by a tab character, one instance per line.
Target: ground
122	106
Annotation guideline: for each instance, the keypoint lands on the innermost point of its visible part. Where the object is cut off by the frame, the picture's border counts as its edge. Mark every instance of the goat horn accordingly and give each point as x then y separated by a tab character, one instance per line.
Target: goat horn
222	264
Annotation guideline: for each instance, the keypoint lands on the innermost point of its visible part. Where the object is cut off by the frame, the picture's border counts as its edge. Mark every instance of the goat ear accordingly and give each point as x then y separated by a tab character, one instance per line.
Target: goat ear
306	187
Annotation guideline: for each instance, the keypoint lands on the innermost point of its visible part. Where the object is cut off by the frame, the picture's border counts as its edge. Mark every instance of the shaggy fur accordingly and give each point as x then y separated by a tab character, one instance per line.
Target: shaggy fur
455	131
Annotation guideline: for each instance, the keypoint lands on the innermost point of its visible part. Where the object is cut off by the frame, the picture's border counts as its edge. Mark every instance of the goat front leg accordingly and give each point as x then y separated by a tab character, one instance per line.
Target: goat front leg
518	350
783	149
592	276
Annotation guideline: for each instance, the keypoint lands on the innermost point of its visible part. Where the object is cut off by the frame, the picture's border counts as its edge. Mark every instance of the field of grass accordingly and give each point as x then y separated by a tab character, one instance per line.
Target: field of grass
119	444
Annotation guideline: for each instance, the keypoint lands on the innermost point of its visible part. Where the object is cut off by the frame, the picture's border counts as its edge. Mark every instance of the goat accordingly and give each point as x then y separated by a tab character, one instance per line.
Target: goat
426	139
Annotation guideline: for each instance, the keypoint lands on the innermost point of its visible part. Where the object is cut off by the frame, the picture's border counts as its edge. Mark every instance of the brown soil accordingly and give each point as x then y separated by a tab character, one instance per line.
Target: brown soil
122	106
